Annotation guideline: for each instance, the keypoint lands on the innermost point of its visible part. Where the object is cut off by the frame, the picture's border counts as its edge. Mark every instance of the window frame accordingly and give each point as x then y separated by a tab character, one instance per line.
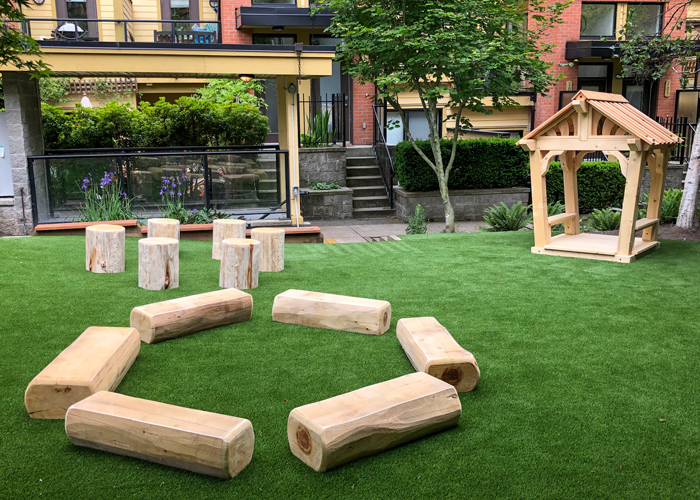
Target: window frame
598	37
662	13
292	35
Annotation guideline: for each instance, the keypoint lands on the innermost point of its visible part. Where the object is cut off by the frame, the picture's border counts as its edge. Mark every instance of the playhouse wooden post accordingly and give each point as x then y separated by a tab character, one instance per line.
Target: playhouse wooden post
569	166
538	183
656	193
635	170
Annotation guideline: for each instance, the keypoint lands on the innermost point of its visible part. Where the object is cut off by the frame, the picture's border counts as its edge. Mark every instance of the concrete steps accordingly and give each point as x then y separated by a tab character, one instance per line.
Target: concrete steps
369	198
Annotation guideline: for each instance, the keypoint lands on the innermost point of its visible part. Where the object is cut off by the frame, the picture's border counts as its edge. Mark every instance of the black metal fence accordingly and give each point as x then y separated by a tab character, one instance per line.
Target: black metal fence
322	121
381	151
90	30
243	182
683	129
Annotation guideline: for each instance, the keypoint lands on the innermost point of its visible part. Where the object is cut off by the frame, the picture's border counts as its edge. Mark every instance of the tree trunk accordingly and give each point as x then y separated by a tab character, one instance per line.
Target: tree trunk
687	213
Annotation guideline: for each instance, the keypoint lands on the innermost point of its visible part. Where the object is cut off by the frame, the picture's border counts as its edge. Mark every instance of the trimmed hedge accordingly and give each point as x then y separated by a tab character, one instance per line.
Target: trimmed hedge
479	164
601	185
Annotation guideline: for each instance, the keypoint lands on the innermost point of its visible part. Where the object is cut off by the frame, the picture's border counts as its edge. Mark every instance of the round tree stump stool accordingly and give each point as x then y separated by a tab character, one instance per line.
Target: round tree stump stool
164	228
159	263
272	248
240	262
223	230
104	248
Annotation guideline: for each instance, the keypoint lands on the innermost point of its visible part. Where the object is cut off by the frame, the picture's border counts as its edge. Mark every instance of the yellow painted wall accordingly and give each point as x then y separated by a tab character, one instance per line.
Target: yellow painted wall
145	9
40	28
105	10
694	10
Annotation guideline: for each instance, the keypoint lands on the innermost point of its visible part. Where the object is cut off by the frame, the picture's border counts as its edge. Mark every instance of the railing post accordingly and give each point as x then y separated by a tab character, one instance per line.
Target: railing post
207	180
277	174
172	29
32	191
286	182
120	172
298	122
126	31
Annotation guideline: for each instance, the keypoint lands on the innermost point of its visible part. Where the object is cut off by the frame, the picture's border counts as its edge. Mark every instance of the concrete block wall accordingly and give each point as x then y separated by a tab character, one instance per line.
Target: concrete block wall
328	204
23	111
322	165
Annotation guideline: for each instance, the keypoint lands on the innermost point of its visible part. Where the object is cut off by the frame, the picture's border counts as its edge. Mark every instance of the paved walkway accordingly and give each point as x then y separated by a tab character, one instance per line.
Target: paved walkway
360	231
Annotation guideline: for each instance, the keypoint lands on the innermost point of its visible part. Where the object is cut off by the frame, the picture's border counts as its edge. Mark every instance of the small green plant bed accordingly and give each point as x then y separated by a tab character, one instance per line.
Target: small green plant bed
324	186
503	218
104	200
417	223
603	220
588	401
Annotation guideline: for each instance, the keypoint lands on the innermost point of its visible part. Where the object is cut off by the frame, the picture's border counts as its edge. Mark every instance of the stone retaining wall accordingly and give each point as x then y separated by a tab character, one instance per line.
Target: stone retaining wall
322	164
327	204
468	204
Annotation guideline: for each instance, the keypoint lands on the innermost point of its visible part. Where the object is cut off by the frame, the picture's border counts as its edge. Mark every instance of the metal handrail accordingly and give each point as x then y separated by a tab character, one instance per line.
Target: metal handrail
27	30
183	149
382	154
123	172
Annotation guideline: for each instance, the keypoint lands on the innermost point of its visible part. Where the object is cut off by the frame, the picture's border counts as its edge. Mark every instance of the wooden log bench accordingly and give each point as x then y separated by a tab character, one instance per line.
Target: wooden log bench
195	440
334	312
96	361
271	248
105	249
224	229
159	263
185	315
163	228
292	234
431	349
78	228
335	431
240	263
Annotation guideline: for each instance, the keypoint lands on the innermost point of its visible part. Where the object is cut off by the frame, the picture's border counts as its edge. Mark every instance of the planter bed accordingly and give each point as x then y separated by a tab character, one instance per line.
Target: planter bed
324	204
468	204
131	227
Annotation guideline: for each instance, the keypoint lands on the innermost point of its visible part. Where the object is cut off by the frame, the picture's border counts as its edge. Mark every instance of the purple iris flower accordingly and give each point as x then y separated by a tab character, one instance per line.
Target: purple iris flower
161	192
172	193
179	193
194	211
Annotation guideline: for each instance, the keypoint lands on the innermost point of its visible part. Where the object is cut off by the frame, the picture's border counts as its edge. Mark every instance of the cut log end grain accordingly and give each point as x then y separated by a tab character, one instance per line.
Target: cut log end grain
372	419
431	349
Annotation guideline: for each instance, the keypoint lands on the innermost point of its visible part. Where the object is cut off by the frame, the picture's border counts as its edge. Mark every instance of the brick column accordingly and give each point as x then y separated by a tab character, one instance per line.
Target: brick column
228	22
362	113
25	133
666	106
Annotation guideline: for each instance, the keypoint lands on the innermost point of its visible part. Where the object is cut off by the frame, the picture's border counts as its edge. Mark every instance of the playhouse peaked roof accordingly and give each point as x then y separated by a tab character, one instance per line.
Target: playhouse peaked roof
619	110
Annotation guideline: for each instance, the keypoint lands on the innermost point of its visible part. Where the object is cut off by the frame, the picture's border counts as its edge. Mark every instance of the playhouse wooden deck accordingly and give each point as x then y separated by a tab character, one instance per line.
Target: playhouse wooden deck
594	246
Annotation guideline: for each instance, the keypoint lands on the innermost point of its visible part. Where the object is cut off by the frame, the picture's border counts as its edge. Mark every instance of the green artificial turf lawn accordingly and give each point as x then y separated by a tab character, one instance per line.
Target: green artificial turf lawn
580	360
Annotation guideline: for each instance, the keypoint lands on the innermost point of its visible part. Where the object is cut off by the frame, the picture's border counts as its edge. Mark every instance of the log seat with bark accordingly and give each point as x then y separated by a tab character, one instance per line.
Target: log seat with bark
224	229
271	248
105	248
334	312
431	349
179	317
195	440
159	263
240	263
378	417
163	228
96	361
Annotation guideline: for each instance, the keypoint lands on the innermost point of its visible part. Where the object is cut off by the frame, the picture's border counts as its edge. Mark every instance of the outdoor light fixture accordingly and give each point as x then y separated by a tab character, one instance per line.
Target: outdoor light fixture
245	78
214	4
277	29
291	88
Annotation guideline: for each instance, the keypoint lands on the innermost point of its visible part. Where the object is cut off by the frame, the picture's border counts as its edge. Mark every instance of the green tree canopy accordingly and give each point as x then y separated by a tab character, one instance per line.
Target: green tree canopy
14	45
464	54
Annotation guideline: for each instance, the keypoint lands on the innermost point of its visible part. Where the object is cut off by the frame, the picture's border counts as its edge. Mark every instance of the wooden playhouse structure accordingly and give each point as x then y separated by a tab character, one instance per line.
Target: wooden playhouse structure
596	121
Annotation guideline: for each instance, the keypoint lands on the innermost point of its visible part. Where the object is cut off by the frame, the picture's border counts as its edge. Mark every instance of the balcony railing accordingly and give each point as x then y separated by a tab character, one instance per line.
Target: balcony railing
247	181
123	30
322	121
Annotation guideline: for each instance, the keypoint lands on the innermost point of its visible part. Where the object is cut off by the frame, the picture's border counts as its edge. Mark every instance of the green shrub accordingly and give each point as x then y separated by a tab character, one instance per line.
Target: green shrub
502	218
600	185
479	164
670	204
188	122
417	224
603	220
321	186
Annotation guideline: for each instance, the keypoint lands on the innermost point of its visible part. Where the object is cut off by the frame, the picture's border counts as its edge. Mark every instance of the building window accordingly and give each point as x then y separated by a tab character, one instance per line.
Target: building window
596	77
274	39
597	20
180	10
645	17
76	9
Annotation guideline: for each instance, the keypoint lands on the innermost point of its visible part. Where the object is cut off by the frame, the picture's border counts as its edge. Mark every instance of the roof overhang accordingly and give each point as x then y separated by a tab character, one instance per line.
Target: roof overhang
284	16
107	59
581	49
